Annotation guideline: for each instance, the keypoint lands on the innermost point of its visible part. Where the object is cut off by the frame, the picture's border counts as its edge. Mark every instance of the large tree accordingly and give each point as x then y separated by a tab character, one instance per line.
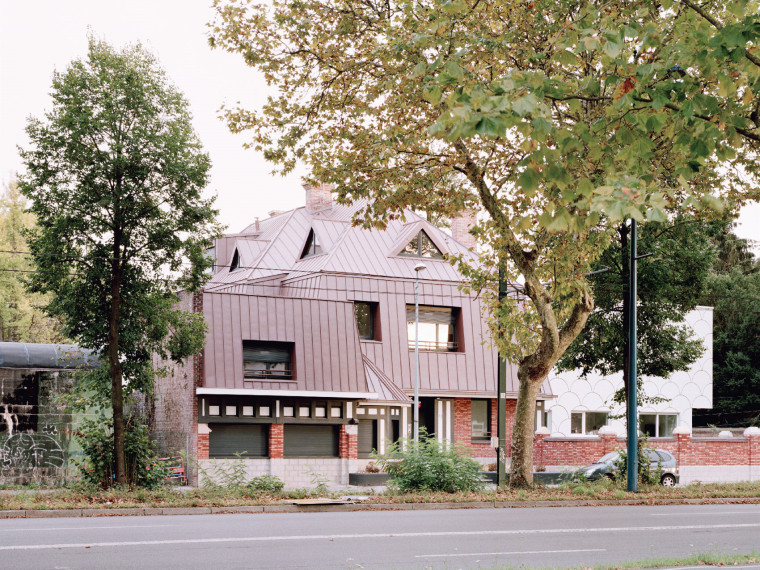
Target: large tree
560	117
115	173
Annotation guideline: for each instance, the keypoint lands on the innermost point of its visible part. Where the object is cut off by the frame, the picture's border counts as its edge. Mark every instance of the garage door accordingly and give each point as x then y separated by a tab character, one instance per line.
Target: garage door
305	440
225	440
367	440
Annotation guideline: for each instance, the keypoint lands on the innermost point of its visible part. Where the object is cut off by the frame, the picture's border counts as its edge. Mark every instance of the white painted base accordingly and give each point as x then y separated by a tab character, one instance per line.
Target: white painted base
293	472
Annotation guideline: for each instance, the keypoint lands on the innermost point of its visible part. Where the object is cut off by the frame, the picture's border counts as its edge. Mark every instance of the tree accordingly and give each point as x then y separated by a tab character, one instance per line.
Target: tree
671	283
21	316
115	174
733	290
561	118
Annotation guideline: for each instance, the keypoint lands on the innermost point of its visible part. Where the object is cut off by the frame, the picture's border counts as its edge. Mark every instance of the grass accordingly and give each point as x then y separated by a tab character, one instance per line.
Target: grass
225	497
707	559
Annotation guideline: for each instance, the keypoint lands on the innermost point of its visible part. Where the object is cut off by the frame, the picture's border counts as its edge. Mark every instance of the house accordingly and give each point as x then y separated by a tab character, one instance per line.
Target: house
309	360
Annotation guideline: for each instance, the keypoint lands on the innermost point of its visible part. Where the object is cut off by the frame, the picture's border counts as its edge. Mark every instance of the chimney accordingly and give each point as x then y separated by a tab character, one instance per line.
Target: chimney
461	226
318	198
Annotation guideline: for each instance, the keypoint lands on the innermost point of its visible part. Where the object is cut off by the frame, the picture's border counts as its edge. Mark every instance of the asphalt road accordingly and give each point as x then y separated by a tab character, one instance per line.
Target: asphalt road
478	538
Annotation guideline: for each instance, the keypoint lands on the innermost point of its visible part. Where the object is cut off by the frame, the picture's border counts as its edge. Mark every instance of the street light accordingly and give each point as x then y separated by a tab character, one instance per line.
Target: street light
417	268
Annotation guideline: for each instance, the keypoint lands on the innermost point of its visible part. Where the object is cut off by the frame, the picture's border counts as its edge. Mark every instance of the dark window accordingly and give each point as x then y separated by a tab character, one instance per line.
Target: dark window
267	359
312	246
366	320
422	246
249	440
481	419
309	440
235	265
367	439
437	327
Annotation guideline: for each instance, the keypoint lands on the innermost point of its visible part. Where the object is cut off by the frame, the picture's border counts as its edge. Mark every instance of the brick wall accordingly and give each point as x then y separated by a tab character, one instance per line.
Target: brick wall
276	441
687	450
348	444
463	427
202	449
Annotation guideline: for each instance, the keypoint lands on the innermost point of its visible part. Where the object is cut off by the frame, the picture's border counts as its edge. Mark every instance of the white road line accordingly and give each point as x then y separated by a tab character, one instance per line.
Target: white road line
707	514
513	552
83	527
668	528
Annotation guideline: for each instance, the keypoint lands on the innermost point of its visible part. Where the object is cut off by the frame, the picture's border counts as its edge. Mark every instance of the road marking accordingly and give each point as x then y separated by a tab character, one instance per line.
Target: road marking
83	527
668	528
707	514
513	552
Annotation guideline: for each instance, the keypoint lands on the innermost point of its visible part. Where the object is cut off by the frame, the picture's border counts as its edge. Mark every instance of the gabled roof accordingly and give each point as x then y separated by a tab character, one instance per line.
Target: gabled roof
276	247
383	386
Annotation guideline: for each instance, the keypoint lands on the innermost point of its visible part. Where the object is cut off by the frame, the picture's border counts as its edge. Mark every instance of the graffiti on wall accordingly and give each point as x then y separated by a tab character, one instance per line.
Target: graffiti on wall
37	453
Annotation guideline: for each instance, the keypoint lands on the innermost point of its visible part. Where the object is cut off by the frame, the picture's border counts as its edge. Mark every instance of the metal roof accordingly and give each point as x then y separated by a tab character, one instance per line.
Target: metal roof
46	356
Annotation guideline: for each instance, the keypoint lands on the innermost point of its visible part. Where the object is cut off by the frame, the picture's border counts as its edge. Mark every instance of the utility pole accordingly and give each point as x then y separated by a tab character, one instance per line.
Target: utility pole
501	412
632	443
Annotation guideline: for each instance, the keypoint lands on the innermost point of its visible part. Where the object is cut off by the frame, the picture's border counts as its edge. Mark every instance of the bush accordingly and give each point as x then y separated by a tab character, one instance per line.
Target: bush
429	466
266	484
646	476
98	466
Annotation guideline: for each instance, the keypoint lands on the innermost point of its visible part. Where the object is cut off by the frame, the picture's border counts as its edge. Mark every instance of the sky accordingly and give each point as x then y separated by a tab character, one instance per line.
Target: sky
40	36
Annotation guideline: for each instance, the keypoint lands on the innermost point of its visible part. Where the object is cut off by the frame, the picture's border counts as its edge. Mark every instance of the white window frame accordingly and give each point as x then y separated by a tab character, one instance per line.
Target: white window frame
657	422
584	428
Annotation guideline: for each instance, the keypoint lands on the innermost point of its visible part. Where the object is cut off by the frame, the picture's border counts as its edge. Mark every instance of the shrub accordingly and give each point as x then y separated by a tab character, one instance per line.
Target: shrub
266	484
430	466
98	466
646	475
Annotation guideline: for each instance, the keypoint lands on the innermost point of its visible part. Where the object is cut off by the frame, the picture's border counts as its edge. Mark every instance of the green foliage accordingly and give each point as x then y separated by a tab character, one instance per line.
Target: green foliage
646	474
97	468
21	316
266	484
736	349
230	475
114	174
428	465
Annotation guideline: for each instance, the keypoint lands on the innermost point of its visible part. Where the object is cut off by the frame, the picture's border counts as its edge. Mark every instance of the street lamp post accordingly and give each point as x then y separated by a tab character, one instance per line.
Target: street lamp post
417	268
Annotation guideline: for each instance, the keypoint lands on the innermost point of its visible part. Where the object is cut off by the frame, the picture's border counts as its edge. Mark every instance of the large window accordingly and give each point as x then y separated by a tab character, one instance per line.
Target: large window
437	327
481	419
657	425
587	423
267	359
366	320
421	246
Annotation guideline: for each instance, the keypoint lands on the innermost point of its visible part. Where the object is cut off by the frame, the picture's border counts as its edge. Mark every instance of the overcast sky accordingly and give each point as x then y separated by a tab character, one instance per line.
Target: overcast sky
39	36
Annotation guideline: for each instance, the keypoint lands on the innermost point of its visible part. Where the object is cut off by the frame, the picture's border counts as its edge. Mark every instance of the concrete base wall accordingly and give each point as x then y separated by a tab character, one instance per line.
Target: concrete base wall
719	473
302	472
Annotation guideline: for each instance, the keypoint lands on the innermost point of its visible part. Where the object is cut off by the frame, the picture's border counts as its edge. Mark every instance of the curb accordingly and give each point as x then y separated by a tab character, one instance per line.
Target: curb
354	507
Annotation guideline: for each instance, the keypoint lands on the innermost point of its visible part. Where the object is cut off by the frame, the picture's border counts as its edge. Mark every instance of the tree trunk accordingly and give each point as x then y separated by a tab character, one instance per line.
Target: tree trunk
114	365
521	472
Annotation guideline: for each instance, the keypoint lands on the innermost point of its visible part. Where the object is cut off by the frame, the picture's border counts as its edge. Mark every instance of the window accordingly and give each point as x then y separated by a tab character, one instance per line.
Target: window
437	328
657	425
312	246
421	246
480	419
366	320
267	359
210	254
587	423
235	265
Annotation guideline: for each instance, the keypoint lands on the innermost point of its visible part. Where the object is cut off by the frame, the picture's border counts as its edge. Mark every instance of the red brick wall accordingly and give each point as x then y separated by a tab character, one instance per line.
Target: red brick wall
348	444
688	451
463	426
202	446
276	441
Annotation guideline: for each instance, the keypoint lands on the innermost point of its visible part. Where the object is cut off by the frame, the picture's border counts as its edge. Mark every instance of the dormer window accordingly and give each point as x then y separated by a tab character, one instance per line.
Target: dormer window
312	246
422	246
235	265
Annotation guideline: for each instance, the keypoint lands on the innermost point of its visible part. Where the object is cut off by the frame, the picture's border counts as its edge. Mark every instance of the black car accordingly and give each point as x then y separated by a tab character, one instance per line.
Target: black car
605	466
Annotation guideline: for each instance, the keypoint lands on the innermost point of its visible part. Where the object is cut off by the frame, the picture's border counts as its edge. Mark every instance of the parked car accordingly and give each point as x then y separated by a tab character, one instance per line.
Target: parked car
605	466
